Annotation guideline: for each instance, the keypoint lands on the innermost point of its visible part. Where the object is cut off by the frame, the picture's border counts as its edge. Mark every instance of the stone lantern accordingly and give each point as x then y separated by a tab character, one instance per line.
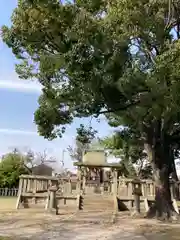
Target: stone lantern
137	192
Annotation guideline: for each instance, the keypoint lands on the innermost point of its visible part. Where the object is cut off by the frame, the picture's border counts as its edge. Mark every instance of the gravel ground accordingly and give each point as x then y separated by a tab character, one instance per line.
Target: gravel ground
40	226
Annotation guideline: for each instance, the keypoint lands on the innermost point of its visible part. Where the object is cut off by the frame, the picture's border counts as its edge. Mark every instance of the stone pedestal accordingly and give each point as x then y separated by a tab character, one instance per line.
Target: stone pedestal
52	206
102	189
136	185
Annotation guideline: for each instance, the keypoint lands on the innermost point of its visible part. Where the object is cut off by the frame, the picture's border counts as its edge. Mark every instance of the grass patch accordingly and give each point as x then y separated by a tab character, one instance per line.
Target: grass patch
10	238
6	238
7	203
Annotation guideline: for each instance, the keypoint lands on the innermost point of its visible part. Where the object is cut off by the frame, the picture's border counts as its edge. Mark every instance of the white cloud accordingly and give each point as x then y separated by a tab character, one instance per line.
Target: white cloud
16	131
11	131
10	80
18	85
33	134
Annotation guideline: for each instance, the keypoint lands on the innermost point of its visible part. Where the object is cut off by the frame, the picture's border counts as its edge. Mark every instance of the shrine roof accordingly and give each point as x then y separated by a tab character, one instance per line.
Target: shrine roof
104	165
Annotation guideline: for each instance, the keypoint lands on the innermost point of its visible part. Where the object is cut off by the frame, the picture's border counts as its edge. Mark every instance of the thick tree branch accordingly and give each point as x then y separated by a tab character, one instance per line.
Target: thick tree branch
177	21
168	24
125	107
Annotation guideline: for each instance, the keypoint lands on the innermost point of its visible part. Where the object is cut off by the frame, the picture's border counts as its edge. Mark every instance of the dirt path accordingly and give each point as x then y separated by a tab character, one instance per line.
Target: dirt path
40	226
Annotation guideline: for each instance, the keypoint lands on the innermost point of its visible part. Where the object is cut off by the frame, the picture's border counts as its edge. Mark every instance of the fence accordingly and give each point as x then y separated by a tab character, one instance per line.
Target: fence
8	192
125	188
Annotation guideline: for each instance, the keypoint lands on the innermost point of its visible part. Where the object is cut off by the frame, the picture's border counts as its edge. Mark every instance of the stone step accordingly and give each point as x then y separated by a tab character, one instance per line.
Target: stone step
100	197
100	206
91	216
97	200
97	203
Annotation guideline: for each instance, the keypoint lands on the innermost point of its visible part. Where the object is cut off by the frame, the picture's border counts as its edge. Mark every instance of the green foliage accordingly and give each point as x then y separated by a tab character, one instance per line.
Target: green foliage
11	167
113	57
85	135
127	145
84	138
69	48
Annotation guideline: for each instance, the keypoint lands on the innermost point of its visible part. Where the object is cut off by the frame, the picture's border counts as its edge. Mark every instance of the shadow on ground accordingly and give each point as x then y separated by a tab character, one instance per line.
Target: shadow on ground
22	225
162	233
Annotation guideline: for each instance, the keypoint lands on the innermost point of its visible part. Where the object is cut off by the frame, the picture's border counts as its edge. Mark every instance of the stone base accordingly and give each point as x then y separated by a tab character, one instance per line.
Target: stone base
135	213
52	211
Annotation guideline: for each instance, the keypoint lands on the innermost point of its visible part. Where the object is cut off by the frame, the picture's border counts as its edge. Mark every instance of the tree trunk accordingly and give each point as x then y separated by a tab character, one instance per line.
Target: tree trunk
163	207
175	179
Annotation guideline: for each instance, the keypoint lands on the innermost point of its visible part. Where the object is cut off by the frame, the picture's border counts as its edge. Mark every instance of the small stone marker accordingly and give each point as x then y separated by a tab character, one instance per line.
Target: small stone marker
146	204
52	208
136	184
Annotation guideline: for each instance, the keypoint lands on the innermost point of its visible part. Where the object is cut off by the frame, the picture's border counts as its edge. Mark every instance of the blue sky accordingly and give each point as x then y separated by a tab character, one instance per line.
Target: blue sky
18	101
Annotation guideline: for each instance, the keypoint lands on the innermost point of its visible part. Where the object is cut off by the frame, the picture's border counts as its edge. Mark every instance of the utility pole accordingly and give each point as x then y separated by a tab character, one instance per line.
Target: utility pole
62	159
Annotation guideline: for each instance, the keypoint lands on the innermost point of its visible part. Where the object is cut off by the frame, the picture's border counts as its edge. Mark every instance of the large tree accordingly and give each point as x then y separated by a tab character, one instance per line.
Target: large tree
104	57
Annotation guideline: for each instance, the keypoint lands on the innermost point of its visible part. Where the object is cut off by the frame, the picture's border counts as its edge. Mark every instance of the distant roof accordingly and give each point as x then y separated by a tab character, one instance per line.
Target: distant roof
42	165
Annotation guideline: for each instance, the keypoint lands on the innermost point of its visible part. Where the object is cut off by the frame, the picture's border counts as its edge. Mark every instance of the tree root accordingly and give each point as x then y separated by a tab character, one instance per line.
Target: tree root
166	213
